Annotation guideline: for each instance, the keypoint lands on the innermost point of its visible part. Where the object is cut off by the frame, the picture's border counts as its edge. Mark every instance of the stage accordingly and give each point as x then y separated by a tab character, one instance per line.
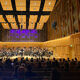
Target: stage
29	57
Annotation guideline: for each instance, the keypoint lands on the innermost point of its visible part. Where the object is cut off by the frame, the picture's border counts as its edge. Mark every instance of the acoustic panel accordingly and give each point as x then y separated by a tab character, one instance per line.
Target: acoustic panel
33	18
20	5
14	26
39	26
1	18
10	18
6	4
5	25
31	26
49	5
22	18
44	19
35	5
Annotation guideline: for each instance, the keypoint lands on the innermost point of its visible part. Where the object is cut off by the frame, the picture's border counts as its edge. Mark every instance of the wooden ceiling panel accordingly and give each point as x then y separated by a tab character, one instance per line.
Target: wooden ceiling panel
24	26
14	26
6	4
22	18
33	18
48	9
31	26
21	8
5	25
10	18
39	26
1	18
35	5
34	8
49	5
44	19
20	5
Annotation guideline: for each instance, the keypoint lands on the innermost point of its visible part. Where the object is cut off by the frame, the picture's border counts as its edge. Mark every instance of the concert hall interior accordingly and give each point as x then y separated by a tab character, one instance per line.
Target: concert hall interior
44	33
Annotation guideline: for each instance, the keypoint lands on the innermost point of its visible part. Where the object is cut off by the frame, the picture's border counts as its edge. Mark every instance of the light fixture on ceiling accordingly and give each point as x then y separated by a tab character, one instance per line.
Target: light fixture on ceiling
6	3
35	3
49	3
20	3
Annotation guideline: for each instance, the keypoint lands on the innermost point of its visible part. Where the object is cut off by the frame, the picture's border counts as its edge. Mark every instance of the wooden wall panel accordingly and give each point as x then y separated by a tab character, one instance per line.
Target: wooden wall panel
66	14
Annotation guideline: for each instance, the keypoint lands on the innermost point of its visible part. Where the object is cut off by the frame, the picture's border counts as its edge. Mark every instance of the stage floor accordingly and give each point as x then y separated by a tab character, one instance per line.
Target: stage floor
29	57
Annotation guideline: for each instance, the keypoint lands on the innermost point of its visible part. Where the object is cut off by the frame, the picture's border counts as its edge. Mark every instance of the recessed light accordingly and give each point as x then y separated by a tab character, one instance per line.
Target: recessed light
6	3
20	3
49	3
35	3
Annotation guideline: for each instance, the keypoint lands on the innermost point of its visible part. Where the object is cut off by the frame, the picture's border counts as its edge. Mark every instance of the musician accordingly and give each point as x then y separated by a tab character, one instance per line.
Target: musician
22	52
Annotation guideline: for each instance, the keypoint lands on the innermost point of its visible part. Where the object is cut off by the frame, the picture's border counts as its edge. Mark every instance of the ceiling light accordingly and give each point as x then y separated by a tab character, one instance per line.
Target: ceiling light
6	3
34	3
49	3
20	3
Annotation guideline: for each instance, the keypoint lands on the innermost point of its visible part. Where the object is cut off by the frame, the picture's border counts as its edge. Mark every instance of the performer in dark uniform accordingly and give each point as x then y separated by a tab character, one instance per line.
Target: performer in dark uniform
22	52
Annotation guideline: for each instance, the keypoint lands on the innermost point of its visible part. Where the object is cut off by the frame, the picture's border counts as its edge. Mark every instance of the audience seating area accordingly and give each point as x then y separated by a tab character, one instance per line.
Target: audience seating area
39	69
